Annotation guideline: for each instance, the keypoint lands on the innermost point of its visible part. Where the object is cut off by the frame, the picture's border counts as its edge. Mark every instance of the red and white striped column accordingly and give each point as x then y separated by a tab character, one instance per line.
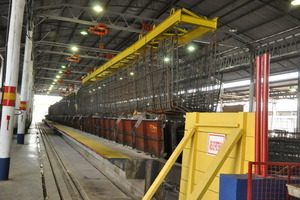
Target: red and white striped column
25	88
11	81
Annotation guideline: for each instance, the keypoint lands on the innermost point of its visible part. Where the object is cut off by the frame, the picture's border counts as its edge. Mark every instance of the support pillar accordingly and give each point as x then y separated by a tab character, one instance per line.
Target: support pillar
251	87
298	103
1	73
25	88
11	81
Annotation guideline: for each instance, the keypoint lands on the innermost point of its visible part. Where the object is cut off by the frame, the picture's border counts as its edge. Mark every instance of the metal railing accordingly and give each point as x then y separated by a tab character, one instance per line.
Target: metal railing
274	184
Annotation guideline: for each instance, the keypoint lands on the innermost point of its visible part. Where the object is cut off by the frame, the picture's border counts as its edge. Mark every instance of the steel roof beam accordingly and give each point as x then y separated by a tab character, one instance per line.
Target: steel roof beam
51	69
66	80
70	54
61	63
89	23
87	10
83	48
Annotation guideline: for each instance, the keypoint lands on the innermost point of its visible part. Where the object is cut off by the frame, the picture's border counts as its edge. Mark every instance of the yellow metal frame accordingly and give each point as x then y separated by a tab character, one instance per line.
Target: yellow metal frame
182	16
237	126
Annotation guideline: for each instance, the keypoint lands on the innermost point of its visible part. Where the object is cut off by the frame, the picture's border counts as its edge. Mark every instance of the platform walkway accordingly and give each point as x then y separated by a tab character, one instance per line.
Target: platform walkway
25	174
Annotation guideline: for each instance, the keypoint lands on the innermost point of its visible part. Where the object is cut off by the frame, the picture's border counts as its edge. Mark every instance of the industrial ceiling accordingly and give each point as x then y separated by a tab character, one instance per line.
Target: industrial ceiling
245	28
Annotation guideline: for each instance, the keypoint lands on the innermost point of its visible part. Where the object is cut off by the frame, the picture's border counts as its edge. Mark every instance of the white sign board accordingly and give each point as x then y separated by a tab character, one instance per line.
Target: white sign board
215	142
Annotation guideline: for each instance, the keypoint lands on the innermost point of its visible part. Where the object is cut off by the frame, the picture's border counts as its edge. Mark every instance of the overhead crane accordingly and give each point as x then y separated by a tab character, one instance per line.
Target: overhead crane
165	29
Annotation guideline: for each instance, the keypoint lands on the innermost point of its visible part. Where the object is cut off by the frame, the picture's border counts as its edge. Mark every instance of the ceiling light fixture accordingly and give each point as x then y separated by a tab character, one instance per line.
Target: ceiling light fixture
232	30
63	66
57	76
74	48
166	59
131	73
83	33
191	48
295	2
98	8
293	89
60	72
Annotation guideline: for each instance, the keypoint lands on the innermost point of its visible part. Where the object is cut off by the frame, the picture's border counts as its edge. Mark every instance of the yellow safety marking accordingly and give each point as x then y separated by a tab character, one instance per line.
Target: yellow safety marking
95	146
9	96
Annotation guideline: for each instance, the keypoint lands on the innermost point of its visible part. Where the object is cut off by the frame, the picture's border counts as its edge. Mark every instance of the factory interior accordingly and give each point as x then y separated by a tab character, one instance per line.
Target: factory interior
150	99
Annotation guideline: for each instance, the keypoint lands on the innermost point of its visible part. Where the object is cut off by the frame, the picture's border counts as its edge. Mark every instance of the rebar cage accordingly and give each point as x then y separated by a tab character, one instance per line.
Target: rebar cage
164	78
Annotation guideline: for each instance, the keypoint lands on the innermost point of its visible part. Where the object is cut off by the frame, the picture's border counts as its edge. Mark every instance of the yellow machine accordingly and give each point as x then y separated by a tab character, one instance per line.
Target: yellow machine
213	143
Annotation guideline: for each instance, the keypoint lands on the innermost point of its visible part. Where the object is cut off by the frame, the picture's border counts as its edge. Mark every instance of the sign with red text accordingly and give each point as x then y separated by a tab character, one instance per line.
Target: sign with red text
215	142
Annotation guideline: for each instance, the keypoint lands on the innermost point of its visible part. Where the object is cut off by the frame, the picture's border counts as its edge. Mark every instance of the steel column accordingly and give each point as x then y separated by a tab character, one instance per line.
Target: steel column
251	87
24	88
11	81
265	97
1	73
258	112
298	103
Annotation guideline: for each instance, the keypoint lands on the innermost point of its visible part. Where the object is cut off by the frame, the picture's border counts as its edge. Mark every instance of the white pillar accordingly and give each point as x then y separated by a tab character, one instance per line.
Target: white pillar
1	73
30	93
11	81
24	88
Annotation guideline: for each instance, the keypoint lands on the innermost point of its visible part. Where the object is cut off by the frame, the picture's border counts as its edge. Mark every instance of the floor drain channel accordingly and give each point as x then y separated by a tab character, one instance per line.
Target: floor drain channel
41	167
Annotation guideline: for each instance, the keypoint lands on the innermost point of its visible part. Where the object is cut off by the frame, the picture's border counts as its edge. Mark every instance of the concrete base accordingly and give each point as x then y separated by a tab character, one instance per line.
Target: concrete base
20	138
4	168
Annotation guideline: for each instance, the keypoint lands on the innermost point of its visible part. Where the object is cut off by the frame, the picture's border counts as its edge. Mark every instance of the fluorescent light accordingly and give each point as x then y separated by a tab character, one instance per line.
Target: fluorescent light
63	66
98	8
60	72
83	33
74	48
166	59
295	2
191	48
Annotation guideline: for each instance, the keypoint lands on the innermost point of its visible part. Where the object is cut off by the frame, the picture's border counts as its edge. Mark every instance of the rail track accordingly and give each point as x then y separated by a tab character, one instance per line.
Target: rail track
67	174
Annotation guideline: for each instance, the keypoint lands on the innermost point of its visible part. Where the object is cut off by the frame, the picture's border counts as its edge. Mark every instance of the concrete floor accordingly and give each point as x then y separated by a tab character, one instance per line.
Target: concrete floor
25	180
24	177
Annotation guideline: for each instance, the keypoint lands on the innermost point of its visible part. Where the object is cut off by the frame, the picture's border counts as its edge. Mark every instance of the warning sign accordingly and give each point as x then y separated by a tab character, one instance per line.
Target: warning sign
215	142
